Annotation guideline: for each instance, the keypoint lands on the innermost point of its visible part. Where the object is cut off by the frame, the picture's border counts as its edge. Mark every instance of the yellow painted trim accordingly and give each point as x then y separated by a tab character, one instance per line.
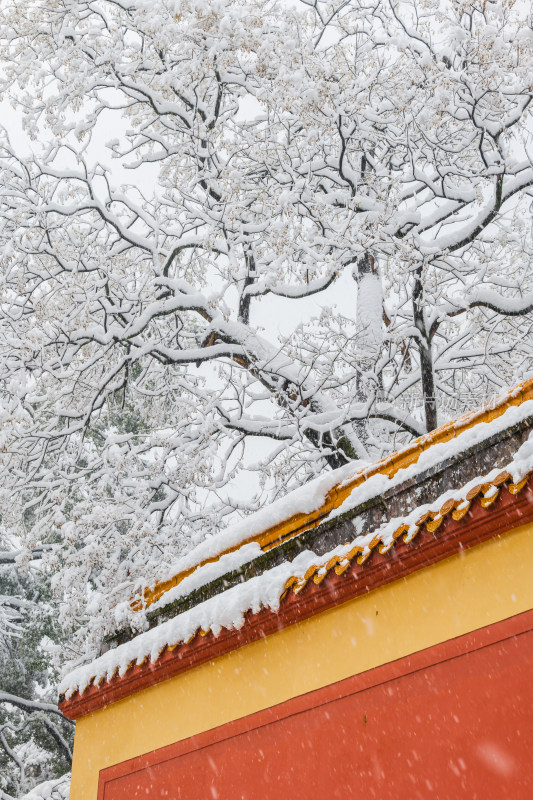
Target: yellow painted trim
480	586
389	466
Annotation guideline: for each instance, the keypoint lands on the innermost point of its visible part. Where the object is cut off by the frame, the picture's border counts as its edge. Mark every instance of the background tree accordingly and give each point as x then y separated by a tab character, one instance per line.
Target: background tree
374	157
35	740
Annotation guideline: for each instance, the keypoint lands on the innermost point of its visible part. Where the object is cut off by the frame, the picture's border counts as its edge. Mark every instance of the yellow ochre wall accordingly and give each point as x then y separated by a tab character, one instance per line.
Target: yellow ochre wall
480	586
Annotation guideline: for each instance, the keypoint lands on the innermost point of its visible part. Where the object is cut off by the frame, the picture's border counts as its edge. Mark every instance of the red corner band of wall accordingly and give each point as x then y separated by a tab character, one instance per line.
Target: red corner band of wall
437	675
478	525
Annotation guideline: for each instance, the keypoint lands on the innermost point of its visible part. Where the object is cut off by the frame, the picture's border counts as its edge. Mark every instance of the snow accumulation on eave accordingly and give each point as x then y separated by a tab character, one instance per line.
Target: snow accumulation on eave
310	497
228	609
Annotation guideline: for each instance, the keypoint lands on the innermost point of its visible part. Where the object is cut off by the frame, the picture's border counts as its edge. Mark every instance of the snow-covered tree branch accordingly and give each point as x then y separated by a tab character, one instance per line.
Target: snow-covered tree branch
35	739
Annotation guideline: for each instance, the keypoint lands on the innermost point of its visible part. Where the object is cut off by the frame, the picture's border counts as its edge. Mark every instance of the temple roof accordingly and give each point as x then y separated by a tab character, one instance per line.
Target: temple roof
425	499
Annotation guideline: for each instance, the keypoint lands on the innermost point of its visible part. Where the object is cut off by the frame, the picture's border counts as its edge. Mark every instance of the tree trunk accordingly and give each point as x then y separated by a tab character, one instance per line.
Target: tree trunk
426	356
244	300
342	449
369	317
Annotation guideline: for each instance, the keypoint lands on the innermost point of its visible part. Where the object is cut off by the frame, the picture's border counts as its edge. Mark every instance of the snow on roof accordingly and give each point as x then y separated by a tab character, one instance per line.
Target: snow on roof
319	499
228	608
302	501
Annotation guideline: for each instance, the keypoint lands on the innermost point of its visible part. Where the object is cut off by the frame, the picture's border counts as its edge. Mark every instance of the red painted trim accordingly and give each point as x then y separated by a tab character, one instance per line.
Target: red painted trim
482	639
480	524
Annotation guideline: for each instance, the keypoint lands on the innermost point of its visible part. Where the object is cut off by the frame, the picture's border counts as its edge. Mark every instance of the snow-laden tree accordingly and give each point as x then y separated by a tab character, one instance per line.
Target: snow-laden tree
201	169
35	740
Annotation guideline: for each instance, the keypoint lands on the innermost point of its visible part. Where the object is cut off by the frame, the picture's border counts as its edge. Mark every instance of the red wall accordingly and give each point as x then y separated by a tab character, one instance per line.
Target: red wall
454	721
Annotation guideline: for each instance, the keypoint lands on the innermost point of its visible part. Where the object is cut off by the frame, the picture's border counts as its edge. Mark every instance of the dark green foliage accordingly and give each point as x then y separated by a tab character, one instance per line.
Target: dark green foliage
34	741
